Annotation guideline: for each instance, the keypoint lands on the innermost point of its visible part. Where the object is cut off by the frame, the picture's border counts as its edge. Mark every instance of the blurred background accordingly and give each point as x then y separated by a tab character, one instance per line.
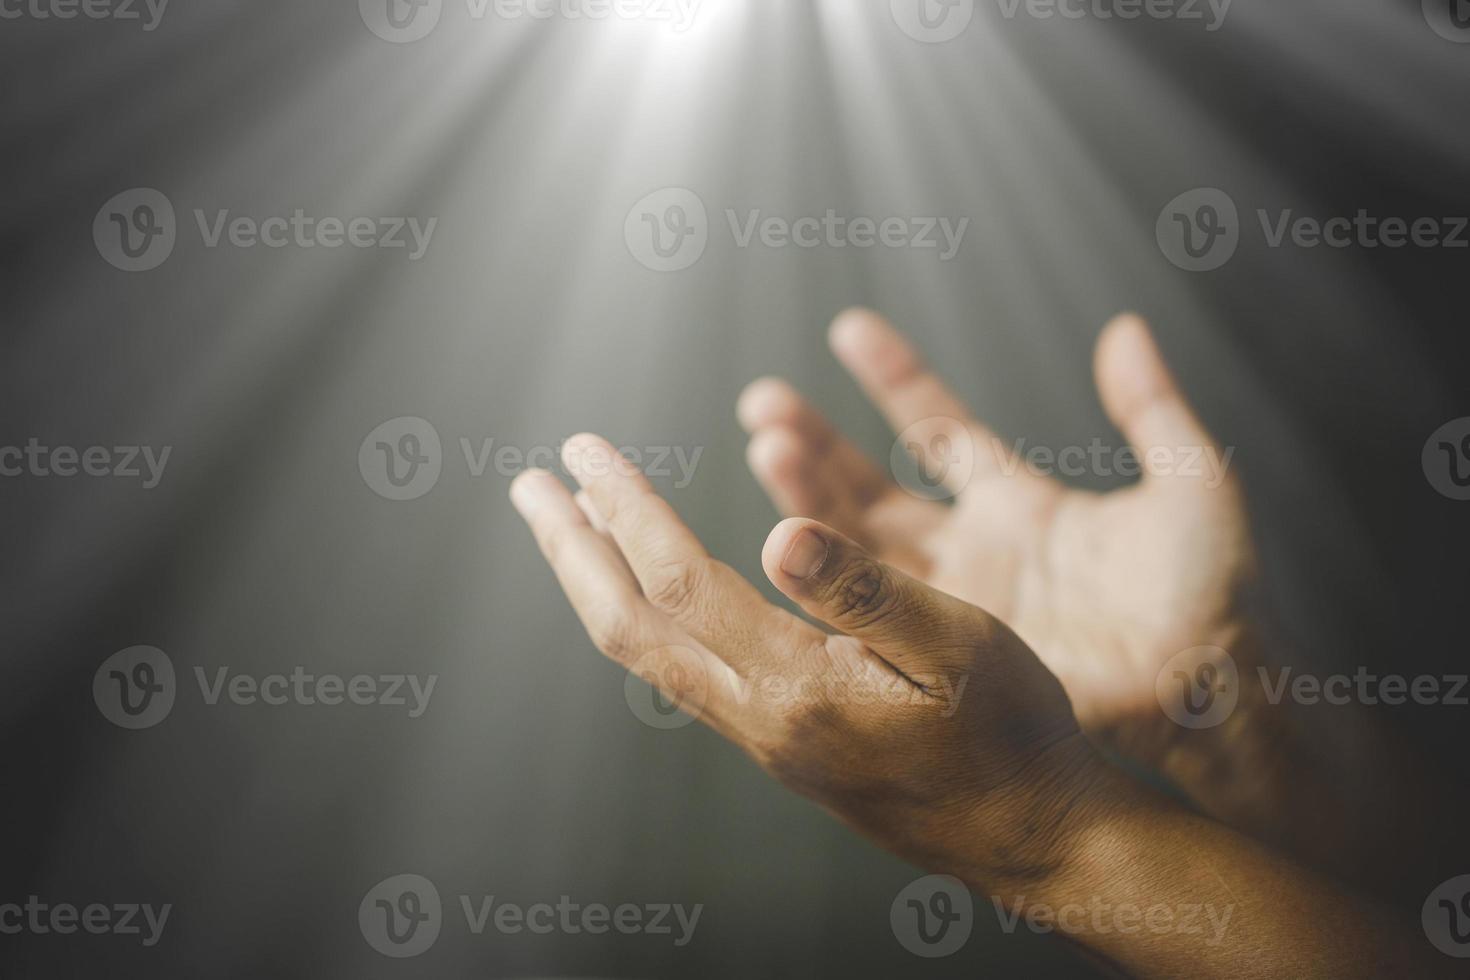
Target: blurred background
580	177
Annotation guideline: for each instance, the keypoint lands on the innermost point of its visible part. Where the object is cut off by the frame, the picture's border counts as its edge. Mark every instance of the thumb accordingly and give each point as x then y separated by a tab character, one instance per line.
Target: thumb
918	629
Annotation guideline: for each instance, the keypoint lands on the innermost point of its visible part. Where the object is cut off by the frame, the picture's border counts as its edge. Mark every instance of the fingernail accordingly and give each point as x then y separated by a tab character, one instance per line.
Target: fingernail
805	555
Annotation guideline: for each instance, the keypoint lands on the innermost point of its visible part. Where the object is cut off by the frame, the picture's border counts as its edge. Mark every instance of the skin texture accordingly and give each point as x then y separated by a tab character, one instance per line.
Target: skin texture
857	706
921	719
1106	588
1112	589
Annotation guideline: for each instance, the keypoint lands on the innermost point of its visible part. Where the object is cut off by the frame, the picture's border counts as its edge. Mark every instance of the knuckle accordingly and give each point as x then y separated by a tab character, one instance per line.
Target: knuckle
615	634
674	586
863	593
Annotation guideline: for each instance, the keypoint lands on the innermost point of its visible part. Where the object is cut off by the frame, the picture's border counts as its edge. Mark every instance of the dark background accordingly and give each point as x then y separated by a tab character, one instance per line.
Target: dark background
528	320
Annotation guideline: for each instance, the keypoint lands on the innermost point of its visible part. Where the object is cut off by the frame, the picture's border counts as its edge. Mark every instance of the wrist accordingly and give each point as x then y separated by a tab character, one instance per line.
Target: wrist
1044	824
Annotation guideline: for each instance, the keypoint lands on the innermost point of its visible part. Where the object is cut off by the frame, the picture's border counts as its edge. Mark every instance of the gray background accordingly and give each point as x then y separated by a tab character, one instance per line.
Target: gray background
528	320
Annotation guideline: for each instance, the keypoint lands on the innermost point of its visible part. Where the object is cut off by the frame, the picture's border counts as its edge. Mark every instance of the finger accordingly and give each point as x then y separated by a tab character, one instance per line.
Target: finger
846	473
586	563
809	470
919	630
895	525
1143	400
707	598
785	468
605	596
584	504
934	423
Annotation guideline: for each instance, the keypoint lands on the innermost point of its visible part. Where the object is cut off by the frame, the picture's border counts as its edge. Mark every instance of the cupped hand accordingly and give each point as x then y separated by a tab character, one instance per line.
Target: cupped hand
923	721
1107	588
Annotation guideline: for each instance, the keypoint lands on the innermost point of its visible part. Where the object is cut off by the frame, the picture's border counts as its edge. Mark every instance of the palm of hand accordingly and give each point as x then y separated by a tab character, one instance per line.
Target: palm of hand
1106	588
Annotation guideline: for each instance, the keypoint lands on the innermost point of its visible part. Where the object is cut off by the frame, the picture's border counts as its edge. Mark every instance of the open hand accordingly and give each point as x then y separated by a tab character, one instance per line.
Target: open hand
1106	588
923	722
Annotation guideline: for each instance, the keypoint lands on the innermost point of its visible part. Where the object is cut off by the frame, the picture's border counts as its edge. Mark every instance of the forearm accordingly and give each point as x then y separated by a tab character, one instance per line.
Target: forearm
1162	892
